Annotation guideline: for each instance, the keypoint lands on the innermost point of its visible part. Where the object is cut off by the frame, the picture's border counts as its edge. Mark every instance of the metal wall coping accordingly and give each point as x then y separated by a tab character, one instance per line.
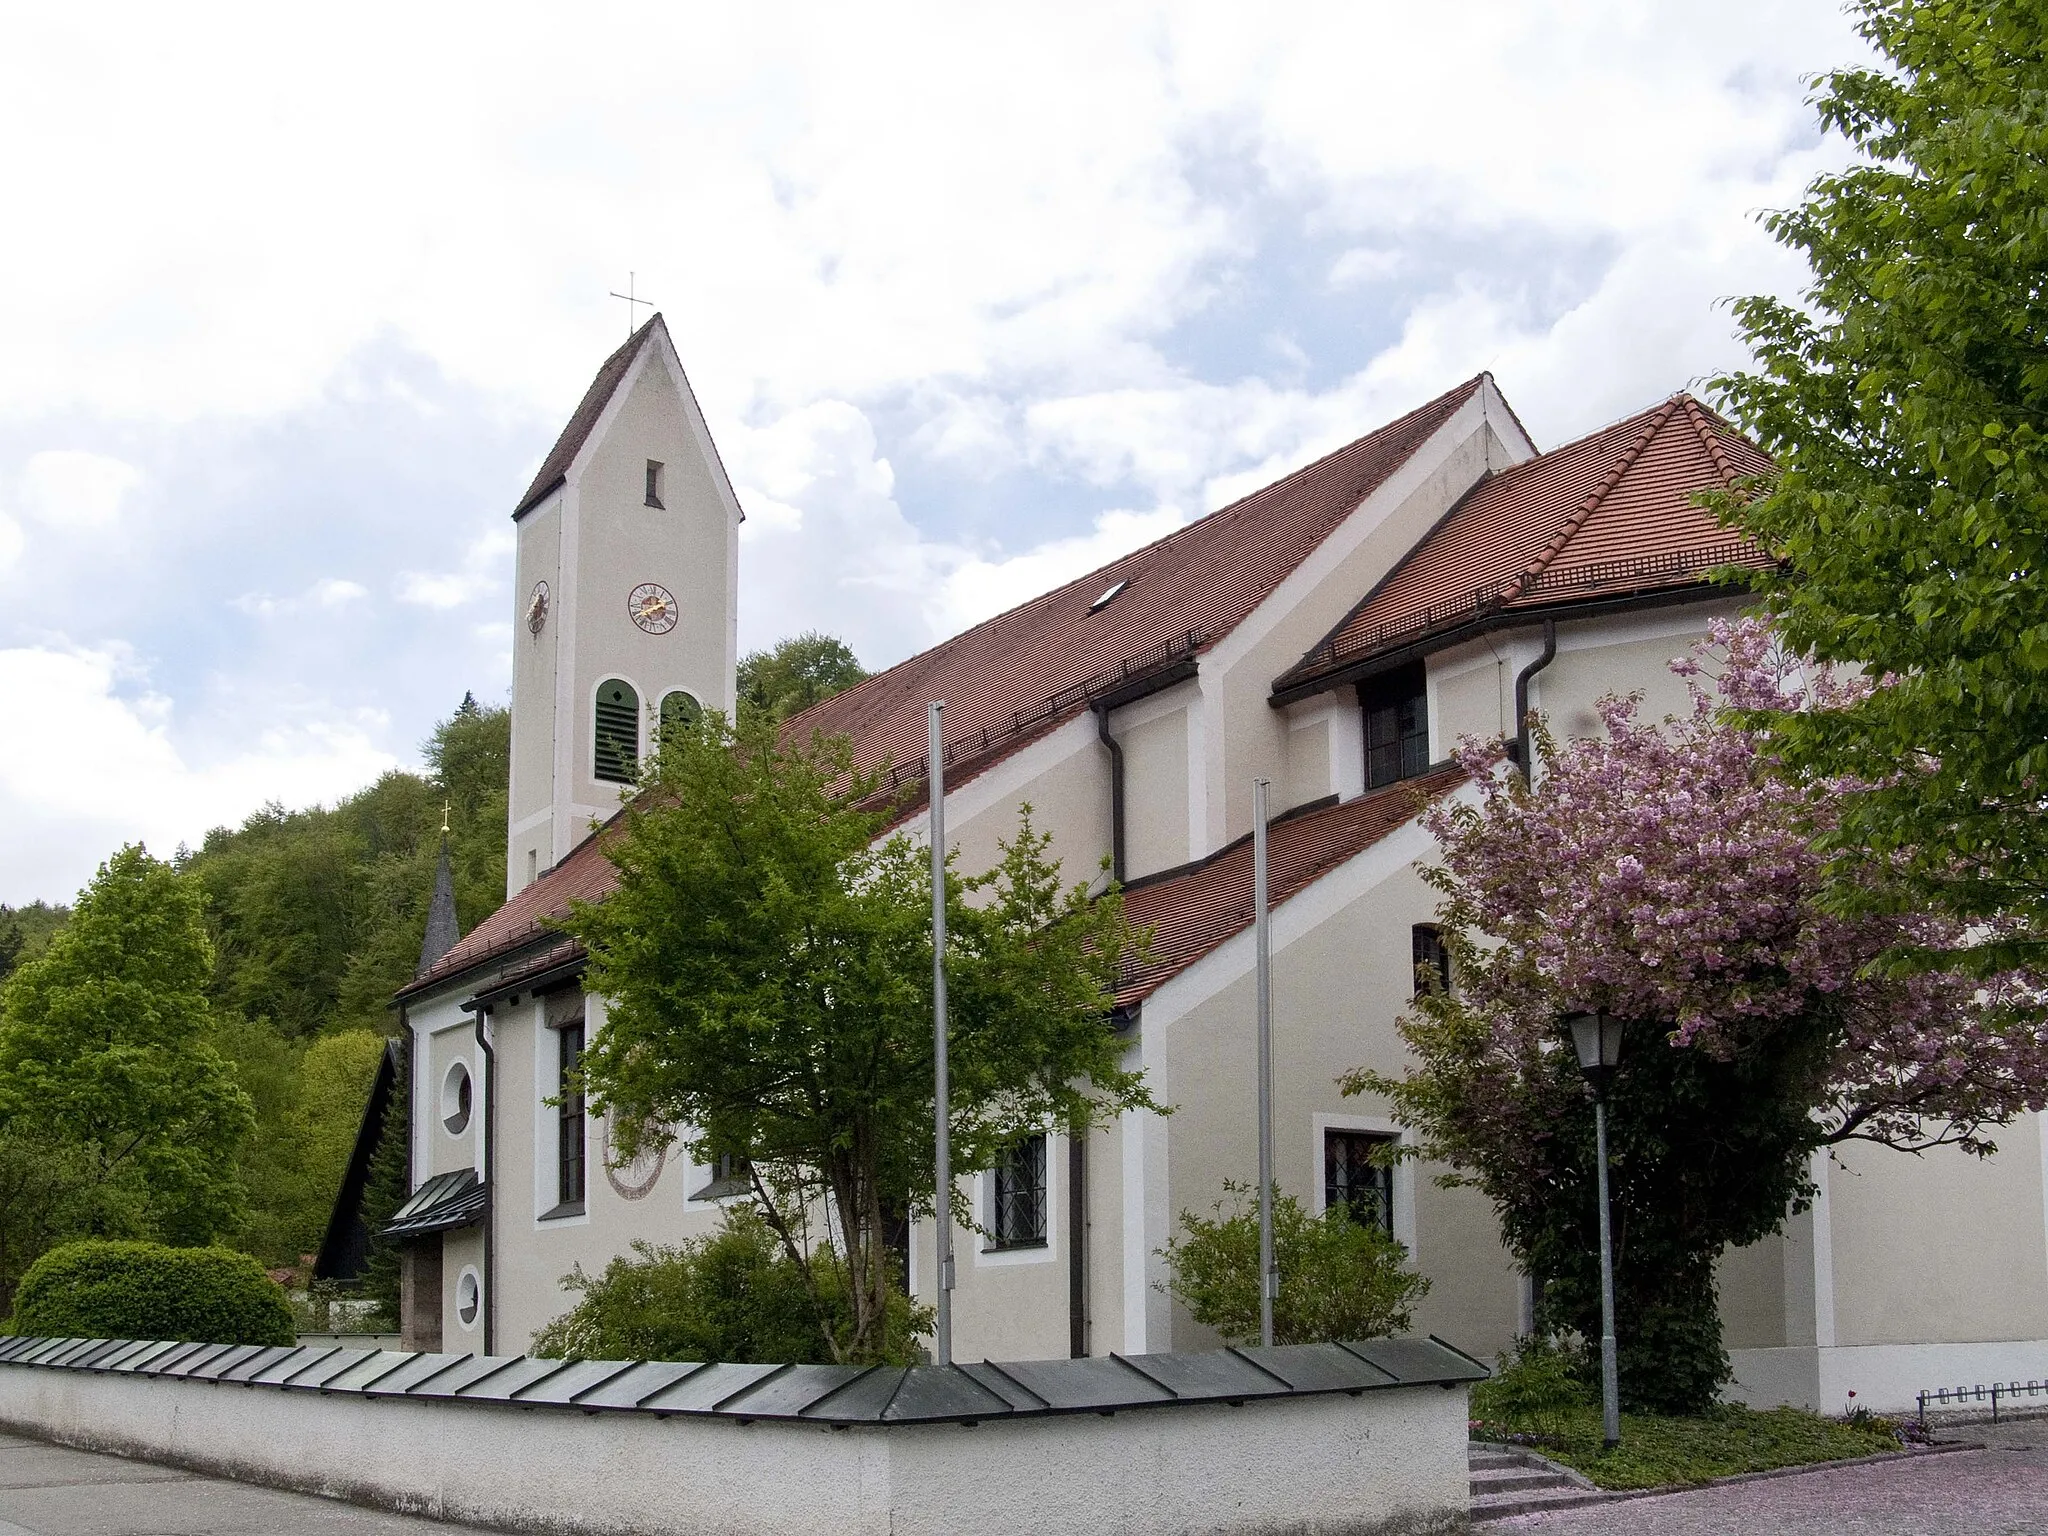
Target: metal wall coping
837	1395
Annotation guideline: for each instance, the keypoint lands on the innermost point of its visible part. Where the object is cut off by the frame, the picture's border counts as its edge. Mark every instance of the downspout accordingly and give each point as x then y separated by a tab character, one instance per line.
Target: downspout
1116	793
490	1175
1077	1244
1544	658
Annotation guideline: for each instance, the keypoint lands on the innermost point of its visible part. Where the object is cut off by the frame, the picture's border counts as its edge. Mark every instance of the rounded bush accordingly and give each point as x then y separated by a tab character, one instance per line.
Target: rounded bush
120	1290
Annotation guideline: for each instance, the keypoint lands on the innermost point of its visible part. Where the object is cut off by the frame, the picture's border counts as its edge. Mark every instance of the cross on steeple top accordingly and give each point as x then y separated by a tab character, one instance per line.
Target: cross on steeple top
632	314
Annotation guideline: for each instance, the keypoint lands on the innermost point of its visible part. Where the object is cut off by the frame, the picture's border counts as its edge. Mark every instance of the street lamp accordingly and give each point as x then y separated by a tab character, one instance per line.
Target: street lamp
1596	1038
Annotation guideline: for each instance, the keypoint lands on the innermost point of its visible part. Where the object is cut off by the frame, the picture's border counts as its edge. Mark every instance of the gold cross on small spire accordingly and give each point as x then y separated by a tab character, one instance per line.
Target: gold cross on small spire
444	818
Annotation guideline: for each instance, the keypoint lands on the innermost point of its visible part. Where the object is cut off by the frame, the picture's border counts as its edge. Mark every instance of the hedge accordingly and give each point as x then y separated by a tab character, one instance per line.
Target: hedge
100	1289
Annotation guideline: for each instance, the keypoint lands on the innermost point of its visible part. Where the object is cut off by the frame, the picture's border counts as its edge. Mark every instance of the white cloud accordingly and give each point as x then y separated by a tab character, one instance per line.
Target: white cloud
69	489
486	572
328	592
446	591
1138	257
120	775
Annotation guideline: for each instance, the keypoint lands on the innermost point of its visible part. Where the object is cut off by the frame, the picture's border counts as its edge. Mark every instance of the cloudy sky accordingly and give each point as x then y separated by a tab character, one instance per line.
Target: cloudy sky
292	301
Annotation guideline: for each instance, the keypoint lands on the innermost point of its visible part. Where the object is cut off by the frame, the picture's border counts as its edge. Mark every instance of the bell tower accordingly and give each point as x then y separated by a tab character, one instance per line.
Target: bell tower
625	608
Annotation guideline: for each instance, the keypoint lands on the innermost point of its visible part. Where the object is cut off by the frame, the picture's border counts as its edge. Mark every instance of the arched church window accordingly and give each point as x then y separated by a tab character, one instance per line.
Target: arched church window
679	711
618	731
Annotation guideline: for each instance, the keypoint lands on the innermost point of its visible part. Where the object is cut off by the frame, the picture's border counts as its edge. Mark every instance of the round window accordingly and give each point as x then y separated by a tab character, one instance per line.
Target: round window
468	1298
455	1093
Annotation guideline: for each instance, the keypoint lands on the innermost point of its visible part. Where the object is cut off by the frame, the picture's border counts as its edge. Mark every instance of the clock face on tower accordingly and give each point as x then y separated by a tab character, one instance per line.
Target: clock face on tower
537	608
653	608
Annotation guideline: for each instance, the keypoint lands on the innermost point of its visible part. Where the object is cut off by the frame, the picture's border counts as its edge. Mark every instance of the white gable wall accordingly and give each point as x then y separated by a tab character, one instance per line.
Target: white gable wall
1242	736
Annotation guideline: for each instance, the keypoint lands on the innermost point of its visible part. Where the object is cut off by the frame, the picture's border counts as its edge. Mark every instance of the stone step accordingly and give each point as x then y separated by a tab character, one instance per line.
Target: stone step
1515	1480
1502	1506
1476	1459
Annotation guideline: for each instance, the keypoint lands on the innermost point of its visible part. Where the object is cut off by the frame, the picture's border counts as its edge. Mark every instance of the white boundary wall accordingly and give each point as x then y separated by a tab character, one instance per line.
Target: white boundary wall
1885	1377
1391	1460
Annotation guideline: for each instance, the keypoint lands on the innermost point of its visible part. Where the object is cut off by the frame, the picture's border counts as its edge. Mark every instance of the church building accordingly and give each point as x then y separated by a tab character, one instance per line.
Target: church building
1336	633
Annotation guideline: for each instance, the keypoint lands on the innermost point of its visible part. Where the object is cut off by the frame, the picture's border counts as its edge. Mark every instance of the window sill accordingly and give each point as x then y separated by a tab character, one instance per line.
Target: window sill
1022	1245
561	1212
724	1189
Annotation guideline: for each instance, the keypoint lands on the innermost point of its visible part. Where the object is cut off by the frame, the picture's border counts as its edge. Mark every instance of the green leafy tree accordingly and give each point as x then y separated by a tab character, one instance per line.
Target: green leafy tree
309	1099
317	914
1905	399
389	1186
768	958
731	1295
25	930
797	673
1340	1278
105	1054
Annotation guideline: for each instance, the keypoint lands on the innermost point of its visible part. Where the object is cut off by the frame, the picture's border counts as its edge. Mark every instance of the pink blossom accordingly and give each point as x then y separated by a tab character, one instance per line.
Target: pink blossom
1668	874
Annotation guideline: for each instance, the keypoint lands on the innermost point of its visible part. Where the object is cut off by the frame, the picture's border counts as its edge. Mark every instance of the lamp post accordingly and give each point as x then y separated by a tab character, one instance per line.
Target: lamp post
1596	1038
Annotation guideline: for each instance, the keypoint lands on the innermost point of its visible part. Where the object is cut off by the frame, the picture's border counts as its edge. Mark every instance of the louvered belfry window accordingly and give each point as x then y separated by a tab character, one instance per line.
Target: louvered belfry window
618	732
679	711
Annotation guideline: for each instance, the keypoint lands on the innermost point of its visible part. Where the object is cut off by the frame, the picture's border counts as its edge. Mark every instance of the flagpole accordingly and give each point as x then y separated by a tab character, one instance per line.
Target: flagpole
936	778
1269	1275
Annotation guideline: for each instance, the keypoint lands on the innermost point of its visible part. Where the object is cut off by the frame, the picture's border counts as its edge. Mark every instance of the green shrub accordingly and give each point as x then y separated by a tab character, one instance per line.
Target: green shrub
122	1290
732	1295
1538	1385
1339	1278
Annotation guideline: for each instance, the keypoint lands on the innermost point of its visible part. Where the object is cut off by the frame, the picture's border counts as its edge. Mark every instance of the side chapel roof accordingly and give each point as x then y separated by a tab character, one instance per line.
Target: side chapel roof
1608	515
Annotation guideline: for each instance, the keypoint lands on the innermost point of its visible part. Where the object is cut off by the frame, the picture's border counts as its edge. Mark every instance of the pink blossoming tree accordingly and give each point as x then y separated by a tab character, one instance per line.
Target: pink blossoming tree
1668	874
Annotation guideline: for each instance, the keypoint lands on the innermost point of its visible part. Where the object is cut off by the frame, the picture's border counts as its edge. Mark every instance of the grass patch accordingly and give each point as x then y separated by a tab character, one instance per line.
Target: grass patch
1656	1452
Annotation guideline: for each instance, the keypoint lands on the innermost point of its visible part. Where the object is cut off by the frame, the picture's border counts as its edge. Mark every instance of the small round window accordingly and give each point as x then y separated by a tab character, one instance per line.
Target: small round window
468	1298
455	1094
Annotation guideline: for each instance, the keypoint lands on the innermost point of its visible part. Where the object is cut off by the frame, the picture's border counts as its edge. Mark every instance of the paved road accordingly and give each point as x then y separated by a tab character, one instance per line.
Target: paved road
1999	1491
47	1490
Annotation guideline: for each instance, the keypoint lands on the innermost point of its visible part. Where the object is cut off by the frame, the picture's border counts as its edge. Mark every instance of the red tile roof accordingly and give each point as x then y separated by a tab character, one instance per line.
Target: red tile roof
1005	677
1192	913
1610	513
1009	680
555	467
524	921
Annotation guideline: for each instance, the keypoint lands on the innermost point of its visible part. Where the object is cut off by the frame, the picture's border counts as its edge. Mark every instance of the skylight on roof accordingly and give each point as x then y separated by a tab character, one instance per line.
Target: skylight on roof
1109	596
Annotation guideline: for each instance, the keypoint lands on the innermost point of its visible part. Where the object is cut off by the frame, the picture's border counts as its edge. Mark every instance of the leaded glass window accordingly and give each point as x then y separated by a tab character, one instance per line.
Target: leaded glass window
1018	1220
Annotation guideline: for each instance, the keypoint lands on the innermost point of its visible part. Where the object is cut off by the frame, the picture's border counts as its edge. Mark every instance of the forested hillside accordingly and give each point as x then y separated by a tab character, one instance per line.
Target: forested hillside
314	918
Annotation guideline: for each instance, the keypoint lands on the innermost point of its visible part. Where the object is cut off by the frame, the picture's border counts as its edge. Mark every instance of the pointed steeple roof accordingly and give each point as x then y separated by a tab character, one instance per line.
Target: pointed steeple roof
554	469
444	930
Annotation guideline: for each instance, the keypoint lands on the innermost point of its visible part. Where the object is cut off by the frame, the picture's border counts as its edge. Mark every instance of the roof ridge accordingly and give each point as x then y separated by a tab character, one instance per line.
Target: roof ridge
1697	415
1593	499
1165	540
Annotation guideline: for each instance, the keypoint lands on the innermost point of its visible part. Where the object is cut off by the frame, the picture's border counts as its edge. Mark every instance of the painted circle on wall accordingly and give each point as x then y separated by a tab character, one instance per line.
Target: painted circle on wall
634	1180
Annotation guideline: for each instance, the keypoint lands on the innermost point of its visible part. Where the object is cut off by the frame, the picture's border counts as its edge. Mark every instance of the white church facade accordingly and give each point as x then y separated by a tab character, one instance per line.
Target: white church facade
1335	633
